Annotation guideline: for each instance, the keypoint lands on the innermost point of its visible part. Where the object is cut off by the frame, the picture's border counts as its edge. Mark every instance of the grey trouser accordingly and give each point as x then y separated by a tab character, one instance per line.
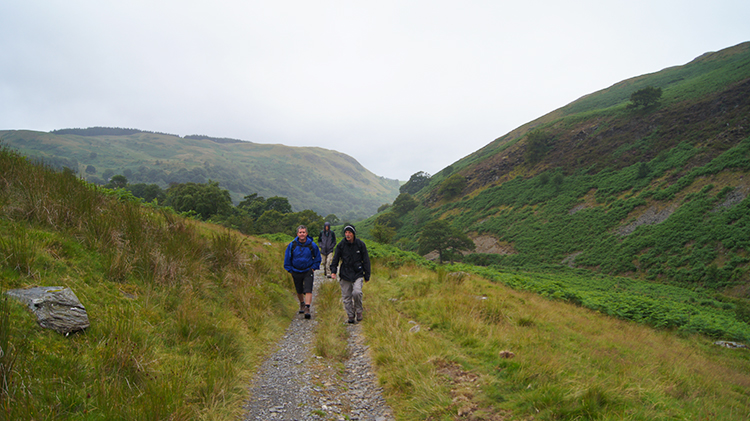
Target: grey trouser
351	295
325	262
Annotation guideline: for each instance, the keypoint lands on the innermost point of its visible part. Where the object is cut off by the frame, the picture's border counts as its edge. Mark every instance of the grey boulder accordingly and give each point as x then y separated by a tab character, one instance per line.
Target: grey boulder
56	308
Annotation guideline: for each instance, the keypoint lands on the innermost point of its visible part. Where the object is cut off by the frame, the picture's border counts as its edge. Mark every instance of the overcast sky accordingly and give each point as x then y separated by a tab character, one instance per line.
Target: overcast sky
401	86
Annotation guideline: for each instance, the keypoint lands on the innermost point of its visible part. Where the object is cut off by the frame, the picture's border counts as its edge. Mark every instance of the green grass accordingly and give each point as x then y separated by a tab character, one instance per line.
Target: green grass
181	312
570	362
330	334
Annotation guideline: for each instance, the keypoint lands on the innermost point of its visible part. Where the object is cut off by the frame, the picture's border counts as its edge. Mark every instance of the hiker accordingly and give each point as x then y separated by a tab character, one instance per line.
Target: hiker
302	259
355	267
326	242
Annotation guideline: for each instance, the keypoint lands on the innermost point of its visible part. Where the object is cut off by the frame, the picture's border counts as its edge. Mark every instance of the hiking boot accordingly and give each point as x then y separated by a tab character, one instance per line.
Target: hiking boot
307	312
359	316
301	307
351	321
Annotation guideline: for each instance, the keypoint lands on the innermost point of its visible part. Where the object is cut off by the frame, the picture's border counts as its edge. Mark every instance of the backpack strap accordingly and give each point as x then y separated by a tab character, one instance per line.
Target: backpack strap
307	244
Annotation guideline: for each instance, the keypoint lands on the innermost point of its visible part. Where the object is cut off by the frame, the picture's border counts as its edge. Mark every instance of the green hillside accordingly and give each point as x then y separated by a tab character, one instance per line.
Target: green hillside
658	192
326	181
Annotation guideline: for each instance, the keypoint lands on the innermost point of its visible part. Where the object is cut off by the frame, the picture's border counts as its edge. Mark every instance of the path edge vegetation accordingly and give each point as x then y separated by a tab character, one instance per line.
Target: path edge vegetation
441	335
181	311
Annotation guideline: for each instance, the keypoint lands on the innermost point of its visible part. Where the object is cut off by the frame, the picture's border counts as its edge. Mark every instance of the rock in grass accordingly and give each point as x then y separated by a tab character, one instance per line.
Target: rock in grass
56	308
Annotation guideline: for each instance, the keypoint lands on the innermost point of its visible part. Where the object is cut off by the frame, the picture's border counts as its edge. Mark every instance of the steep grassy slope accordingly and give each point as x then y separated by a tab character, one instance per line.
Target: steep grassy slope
323	180
659	192
180	311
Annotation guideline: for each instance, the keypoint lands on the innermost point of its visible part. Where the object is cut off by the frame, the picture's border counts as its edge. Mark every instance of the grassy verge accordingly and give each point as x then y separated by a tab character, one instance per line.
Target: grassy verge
570	362
181	312
330	334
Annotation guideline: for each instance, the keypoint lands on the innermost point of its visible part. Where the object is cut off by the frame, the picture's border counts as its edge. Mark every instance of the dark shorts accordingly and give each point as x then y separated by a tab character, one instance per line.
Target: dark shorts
303	281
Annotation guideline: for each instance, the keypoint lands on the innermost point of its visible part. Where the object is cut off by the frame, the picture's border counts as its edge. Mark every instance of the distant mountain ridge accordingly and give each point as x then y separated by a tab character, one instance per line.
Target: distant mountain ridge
326	181
118	131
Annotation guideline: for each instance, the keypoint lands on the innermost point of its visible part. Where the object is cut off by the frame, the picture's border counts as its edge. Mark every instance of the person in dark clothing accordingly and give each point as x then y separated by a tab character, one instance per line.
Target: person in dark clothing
351	252
302	259
326	243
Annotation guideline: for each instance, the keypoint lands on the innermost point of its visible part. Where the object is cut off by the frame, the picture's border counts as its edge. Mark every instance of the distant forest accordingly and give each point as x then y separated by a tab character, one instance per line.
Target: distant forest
118	131
105	131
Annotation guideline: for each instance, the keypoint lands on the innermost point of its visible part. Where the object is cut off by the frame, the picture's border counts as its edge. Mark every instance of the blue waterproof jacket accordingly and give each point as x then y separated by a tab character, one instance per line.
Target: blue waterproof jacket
302	257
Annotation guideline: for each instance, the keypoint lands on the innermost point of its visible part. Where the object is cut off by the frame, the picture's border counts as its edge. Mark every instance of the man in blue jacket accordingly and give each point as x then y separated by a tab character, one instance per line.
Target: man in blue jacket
302	259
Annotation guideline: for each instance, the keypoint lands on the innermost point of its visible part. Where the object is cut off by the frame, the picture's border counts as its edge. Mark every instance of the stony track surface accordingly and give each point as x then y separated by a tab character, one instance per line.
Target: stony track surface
295	384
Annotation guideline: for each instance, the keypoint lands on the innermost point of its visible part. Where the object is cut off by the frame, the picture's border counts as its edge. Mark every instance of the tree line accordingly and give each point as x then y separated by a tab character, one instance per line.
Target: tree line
104	131
449	242
209	202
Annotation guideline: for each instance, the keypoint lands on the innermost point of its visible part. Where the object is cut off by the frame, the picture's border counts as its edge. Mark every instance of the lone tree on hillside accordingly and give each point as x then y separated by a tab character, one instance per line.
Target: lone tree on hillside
416	182
645	97
403	204
389	219
452	186
383	234
448	241
537	145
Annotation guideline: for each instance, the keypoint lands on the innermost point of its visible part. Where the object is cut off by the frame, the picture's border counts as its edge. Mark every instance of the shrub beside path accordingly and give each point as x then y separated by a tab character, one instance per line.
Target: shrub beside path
295	384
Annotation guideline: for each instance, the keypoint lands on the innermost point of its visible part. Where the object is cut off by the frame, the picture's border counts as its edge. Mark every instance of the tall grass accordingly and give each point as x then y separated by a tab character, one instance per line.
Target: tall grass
181	312
570	362
8	356
330	334
17	251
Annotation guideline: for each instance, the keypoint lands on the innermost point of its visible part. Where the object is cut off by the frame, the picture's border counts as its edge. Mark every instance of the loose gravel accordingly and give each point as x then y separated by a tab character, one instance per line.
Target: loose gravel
295	384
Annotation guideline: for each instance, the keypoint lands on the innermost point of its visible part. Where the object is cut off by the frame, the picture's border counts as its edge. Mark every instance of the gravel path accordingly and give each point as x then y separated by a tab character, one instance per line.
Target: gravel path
295	384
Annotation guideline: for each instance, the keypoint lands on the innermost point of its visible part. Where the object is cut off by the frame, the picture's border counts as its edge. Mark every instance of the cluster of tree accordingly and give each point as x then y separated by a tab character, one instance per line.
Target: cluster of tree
104	131
645	97
209	202
213	139
257	215
448	241
206	200
416	182
313	191
452	186
538	144
438	235
386	223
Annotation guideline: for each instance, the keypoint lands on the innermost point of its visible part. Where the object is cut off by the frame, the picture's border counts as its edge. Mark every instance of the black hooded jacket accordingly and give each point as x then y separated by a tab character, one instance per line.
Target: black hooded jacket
355	262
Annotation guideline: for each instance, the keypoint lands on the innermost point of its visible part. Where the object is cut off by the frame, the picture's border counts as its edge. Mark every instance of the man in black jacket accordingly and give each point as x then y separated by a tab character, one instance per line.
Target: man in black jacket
355	267
326	243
